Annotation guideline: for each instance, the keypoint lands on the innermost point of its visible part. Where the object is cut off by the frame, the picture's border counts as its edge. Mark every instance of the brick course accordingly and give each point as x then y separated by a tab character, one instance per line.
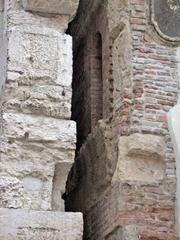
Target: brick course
148	90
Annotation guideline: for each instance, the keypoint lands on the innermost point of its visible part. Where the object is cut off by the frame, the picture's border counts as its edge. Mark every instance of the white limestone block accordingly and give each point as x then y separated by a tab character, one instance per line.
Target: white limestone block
33	145
62	7
40	129
31	192
38	134
40	55
140	158
41	225
47	100
11	192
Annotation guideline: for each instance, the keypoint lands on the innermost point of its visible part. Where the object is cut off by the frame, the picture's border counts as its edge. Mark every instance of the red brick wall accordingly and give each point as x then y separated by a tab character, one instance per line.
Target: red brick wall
92	92
143	106
96	82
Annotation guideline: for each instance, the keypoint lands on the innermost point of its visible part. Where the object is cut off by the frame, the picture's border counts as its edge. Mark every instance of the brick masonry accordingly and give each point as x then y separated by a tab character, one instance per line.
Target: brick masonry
140	86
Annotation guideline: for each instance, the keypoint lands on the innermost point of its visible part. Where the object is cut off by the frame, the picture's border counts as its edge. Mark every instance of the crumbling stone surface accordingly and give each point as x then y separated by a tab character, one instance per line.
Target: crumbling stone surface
26	137
39	225
140	158
38	139
63	7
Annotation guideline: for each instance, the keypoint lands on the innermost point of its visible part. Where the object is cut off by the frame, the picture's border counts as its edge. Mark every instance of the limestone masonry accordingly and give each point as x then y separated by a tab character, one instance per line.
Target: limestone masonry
90	120
37	136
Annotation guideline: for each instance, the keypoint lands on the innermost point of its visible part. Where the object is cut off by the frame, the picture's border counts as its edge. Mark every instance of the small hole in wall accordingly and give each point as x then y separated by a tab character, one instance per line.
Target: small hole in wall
26	135
10	141
63	93
31	59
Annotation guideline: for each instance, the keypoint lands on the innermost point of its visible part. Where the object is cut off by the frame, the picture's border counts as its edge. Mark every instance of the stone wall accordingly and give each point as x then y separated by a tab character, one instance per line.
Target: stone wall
38	139
124	178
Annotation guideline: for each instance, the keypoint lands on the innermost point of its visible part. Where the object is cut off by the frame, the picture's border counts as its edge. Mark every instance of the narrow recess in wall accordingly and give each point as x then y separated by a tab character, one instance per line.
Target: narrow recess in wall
59	181
87	100
96	81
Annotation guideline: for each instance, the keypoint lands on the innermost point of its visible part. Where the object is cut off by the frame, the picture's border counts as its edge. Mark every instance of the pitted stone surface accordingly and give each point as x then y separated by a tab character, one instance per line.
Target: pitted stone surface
40	54
62	7
39	72
38	139
41	225
39	129
141	158
32	147
11	192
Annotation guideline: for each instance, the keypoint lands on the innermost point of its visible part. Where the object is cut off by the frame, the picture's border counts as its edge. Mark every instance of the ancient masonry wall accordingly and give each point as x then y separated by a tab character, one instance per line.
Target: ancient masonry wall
124	178
38	139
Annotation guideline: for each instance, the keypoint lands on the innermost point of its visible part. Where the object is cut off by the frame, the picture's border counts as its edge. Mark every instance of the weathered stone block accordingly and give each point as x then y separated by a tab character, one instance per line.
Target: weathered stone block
35	143
30	191
32	147
40	129
40	55
62	7
141	158
26	224
11	192
48	100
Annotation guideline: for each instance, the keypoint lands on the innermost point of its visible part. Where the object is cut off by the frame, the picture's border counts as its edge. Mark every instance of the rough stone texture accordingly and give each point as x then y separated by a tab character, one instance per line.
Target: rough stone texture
38	84
140	85
37	137
40	225
125	82
140	158
95	161
42	72
62	7
26	137
3	47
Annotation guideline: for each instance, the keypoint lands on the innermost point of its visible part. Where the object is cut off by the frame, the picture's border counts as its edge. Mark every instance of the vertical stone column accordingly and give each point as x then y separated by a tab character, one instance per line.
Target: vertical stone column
38	139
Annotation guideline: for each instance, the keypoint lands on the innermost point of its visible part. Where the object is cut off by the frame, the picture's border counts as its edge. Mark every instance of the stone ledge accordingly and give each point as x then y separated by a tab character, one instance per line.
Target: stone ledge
61	7
26	225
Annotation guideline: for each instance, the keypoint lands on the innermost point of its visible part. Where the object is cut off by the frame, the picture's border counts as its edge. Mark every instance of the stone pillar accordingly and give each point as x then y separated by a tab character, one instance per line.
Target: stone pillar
38	138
